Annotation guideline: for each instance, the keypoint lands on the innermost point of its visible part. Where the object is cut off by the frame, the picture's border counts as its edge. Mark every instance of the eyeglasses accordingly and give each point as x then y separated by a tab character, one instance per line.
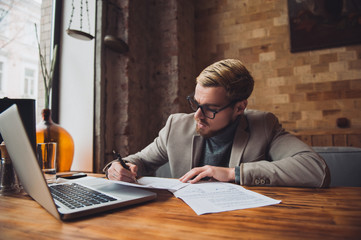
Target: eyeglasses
206	110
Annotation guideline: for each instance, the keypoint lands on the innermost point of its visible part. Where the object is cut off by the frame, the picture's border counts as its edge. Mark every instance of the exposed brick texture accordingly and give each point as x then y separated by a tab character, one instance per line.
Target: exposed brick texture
319	85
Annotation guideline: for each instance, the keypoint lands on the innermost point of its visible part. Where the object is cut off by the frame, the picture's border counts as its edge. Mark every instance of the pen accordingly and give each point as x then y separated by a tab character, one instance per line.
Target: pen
121	160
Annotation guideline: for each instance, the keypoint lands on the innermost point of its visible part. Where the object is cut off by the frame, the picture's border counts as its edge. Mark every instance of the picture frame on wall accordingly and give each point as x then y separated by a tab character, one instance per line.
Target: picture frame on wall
318	24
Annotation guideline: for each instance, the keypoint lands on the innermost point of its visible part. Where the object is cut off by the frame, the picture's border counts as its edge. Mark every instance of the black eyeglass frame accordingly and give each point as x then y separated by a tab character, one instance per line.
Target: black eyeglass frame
191	100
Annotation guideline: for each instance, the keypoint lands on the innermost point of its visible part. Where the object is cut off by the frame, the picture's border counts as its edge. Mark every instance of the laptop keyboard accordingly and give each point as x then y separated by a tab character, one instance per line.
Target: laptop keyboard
77	196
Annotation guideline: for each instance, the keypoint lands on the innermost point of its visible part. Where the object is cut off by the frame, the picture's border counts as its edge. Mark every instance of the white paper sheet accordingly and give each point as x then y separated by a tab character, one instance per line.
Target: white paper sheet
215	197
169	184
207	197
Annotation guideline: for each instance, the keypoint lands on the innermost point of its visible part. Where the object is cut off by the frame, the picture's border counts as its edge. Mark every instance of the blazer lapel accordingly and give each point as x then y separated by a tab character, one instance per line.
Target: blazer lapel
239	143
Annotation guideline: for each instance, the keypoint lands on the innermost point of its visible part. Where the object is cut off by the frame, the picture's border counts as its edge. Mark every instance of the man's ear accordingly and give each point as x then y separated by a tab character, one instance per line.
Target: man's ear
240	107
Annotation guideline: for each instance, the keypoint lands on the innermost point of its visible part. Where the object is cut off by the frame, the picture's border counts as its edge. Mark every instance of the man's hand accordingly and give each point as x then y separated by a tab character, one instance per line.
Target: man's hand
221	174
117	172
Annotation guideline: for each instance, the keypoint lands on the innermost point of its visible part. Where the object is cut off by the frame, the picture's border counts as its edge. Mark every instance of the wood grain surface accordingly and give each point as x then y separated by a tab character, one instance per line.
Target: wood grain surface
333	213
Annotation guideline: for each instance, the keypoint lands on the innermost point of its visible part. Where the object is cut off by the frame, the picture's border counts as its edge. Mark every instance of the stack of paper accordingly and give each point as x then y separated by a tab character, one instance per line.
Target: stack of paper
207	197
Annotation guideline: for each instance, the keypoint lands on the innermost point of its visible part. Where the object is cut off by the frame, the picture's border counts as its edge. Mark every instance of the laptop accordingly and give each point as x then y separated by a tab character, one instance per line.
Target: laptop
112	195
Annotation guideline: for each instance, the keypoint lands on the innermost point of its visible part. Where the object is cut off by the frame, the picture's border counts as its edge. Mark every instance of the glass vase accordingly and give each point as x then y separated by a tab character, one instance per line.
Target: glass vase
48	131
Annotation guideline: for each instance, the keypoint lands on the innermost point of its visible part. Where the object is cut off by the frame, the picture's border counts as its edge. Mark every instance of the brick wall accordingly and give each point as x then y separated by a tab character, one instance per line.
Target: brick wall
306	90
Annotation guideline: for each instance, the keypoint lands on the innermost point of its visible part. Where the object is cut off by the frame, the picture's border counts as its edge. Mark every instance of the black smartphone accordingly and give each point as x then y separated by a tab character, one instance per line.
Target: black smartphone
72	175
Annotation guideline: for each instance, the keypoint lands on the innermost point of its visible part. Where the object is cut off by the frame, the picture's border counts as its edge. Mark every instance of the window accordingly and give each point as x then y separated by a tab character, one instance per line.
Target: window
1	77
28	36
4	25
18	48
29	83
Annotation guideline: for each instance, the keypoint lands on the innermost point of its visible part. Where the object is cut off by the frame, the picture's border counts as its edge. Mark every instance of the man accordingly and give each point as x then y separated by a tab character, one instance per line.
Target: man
223	141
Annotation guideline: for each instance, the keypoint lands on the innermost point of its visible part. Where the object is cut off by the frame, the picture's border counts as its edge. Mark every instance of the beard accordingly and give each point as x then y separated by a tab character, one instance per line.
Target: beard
210	133
203	132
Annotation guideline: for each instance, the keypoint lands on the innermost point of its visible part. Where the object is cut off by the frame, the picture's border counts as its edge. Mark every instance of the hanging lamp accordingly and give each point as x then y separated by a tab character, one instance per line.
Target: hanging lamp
79	34
111	41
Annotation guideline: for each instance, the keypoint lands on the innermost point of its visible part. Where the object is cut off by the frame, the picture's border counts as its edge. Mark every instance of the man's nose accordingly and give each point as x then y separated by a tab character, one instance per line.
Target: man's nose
199	114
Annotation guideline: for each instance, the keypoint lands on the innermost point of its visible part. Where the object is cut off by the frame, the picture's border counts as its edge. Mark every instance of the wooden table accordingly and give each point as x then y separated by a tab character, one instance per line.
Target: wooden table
304	213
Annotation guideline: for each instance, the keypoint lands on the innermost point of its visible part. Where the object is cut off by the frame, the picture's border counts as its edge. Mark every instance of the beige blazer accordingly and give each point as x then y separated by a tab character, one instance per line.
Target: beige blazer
265	152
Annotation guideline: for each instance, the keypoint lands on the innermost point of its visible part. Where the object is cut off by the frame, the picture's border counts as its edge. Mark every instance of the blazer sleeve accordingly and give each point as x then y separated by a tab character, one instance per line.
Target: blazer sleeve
154	155
289	161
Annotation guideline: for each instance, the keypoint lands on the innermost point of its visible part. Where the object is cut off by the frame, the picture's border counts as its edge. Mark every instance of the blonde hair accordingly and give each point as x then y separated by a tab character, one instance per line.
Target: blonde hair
230	74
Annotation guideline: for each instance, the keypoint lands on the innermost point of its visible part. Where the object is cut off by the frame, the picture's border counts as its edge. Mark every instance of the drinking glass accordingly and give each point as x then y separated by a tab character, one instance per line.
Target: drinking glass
47	158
